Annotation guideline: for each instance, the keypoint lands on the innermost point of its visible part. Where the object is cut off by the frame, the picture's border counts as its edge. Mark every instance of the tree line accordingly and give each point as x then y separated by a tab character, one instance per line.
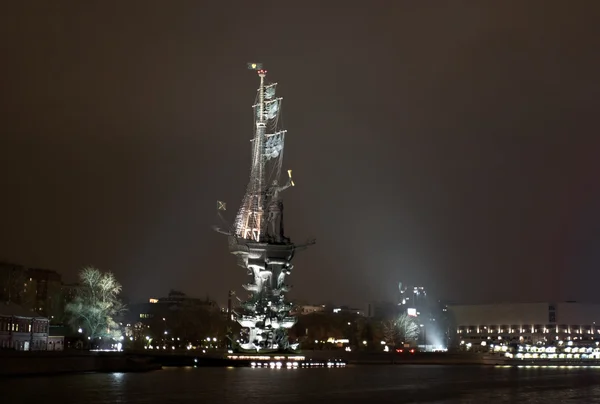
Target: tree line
97	312
315	331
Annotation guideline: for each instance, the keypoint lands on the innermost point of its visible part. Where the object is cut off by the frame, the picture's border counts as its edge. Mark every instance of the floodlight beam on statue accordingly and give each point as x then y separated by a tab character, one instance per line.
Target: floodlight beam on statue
256	237
258	206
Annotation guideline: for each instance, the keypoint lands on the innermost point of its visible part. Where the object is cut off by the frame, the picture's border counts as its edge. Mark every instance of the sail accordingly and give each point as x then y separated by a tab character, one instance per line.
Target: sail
267	160
272	109
270	91
274	145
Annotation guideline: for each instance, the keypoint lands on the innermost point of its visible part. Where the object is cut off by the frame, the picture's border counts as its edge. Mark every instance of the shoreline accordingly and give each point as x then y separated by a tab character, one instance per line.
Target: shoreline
47	363
36	364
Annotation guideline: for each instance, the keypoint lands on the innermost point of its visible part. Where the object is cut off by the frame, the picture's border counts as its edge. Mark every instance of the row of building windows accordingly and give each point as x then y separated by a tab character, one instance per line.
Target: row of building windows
545	329
11	324
20	345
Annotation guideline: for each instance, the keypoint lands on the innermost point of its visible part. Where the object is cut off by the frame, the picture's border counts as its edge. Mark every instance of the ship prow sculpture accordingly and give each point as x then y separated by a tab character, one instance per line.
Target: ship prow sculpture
257	237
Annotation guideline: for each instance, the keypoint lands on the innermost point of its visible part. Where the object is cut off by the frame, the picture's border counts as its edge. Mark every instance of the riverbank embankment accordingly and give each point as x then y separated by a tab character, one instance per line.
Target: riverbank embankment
14	363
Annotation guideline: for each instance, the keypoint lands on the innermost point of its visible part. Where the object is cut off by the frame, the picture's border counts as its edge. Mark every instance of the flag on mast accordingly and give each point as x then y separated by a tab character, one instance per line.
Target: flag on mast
255	66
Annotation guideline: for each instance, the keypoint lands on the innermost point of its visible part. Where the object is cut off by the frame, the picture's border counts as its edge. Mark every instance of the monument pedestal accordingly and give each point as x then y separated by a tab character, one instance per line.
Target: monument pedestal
265	315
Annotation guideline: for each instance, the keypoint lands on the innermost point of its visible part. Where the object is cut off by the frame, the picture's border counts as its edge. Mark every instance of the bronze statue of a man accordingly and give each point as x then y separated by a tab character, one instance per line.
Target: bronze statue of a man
275	229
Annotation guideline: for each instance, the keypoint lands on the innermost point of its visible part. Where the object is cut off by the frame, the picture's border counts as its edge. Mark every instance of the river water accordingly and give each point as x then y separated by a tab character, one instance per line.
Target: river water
353	384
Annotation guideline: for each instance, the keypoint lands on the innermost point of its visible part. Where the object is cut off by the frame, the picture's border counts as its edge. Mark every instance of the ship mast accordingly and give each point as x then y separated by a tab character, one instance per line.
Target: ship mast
258	153
249	222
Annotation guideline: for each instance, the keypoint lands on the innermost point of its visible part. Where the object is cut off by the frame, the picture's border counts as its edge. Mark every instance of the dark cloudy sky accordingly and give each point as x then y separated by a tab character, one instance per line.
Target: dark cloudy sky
454	144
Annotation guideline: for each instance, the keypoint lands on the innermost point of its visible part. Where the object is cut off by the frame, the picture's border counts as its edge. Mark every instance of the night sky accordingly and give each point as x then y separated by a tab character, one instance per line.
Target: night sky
452	144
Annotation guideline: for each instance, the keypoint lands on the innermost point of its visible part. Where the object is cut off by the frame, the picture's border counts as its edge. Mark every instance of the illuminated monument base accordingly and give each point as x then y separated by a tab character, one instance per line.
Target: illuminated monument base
284	361
265	316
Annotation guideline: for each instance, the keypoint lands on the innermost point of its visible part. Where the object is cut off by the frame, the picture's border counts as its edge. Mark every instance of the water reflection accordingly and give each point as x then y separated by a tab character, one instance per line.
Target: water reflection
355	384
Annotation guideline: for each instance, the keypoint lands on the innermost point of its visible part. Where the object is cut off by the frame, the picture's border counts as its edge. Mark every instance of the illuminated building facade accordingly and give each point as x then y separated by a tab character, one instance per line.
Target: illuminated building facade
525	323
22	330
257	237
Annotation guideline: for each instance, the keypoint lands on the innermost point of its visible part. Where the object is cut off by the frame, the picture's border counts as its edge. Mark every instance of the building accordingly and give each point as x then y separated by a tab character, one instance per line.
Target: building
429	314
56	338
13	283
532	323
414	297
22	330
36	290
164	307
68	293
382	310
302	310
411	300
348	310
45	293
175	321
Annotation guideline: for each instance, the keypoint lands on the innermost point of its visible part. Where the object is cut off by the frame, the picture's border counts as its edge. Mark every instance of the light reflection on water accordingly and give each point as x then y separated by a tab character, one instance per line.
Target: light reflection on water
354	384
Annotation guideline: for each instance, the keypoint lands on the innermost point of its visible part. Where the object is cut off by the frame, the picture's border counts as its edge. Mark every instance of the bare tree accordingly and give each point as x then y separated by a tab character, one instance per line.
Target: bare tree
389	331
401	329
96	304
408	329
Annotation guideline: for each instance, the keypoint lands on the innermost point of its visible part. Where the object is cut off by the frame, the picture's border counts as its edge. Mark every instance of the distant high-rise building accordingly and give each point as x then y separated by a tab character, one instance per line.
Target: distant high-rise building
413	298
45	295
68	293
430	314
382	310
36	290
13	283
